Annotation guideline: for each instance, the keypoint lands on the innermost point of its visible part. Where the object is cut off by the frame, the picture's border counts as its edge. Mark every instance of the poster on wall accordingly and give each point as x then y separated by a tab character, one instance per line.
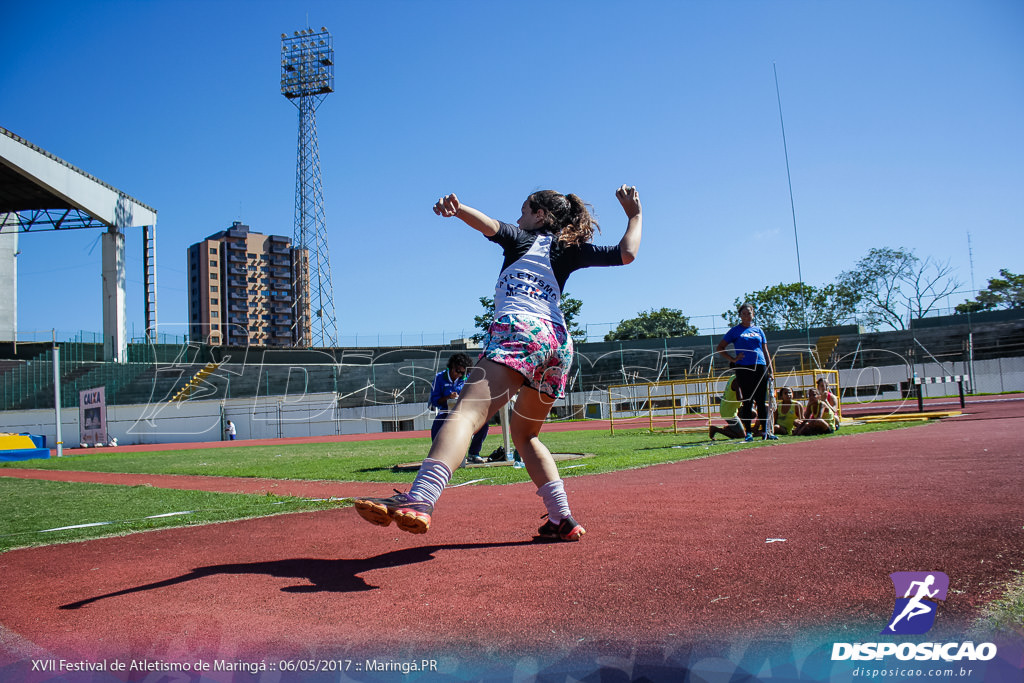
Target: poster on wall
92	416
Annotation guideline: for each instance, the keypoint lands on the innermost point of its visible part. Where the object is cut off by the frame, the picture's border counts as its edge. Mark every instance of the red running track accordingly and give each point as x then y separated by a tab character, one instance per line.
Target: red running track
676	557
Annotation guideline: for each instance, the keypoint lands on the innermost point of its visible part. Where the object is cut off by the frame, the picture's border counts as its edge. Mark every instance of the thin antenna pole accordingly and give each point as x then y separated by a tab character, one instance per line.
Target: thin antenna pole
970	256
792	204
970	324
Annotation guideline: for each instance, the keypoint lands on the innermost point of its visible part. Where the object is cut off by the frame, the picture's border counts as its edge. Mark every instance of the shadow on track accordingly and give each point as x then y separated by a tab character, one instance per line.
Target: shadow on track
335	576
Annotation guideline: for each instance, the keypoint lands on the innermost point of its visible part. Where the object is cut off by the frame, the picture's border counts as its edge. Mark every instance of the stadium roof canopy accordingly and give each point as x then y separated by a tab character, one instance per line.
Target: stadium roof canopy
48	193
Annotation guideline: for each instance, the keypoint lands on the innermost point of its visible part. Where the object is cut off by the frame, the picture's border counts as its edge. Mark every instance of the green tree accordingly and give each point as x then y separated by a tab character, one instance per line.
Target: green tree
569	306
1003	292
795	306
895	286
653	324
571	310
483	321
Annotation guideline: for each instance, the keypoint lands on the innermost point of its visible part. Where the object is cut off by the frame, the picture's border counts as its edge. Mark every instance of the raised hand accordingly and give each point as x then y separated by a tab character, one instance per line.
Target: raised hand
447	206
629	198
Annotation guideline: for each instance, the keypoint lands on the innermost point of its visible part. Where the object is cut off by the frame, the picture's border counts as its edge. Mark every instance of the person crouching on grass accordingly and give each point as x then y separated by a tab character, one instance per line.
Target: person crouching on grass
527	354
729	408
753	366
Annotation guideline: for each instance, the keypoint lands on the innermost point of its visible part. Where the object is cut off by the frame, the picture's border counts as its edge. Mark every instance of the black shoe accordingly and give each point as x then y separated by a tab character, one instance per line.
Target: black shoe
566	530
475	459
497	455
407	514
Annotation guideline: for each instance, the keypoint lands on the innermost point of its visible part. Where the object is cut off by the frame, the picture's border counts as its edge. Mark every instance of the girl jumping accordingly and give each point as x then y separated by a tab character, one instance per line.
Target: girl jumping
528	350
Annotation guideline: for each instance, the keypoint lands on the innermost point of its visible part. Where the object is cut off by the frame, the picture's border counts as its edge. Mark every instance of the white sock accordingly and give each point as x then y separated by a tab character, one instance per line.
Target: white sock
430	481
555	500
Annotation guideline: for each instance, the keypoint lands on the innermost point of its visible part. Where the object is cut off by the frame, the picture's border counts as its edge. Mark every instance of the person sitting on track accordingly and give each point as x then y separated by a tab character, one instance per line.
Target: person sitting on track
819	418
729	409
787	411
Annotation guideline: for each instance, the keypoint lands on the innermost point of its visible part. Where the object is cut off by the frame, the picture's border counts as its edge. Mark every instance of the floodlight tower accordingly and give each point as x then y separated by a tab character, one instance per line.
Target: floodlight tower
307	76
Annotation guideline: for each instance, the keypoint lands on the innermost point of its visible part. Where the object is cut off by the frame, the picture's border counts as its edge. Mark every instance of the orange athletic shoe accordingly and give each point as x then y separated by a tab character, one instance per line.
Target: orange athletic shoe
566	530
408	515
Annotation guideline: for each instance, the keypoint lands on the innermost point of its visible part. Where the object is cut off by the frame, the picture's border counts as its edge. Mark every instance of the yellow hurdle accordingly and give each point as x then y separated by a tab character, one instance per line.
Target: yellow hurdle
690	404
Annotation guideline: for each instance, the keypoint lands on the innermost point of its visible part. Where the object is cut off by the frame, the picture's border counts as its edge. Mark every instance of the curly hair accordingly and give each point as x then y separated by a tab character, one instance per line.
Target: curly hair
459	360
567	215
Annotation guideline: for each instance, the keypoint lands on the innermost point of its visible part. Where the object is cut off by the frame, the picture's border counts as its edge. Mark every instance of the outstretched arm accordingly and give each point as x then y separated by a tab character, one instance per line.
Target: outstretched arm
629	245
451	206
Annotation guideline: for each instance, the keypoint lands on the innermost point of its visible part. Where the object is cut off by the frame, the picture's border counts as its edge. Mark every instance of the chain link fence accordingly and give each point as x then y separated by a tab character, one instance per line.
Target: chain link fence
386	389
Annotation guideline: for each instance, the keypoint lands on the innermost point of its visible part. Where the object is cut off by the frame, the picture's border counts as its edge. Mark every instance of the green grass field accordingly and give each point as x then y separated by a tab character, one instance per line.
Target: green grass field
37	512
37	505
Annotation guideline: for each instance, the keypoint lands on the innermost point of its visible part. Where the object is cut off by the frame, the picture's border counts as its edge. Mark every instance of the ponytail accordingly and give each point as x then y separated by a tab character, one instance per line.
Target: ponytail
568	216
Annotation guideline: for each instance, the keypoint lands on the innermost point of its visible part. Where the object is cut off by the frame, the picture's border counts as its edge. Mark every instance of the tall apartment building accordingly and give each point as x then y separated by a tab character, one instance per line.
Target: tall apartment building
243	288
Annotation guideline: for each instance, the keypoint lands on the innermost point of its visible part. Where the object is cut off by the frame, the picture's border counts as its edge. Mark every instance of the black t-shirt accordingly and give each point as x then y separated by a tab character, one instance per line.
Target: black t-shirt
536	267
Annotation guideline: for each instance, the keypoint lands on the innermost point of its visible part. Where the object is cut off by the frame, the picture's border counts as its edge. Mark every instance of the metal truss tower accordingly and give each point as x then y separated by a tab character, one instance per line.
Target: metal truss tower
307	76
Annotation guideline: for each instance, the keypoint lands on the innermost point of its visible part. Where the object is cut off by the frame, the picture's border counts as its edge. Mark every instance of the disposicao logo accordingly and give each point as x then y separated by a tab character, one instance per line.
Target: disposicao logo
917	594
914	612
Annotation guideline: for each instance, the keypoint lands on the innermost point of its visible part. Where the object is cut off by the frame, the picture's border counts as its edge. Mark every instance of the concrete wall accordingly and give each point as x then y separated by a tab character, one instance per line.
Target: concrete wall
317	414
202	421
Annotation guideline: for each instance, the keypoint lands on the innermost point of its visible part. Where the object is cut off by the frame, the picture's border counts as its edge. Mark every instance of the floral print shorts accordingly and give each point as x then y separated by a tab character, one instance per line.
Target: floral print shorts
540	350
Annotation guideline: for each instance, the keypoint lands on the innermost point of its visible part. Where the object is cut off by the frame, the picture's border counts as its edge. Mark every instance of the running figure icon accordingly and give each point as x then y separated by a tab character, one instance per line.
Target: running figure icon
920	591
915	607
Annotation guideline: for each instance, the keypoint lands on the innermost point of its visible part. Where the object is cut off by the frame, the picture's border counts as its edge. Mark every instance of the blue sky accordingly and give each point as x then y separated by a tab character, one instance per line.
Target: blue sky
903	122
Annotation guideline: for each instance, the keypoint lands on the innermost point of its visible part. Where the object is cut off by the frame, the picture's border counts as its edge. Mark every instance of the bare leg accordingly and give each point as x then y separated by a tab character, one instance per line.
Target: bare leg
525	423
733	430
490	386
532	409
816	428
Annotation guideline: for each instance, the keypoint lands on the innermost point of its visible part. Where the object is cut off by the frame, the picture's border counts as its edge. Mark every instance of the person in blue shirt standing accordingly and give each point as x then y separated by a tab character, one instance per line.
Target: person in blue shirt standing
753	366
448	385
